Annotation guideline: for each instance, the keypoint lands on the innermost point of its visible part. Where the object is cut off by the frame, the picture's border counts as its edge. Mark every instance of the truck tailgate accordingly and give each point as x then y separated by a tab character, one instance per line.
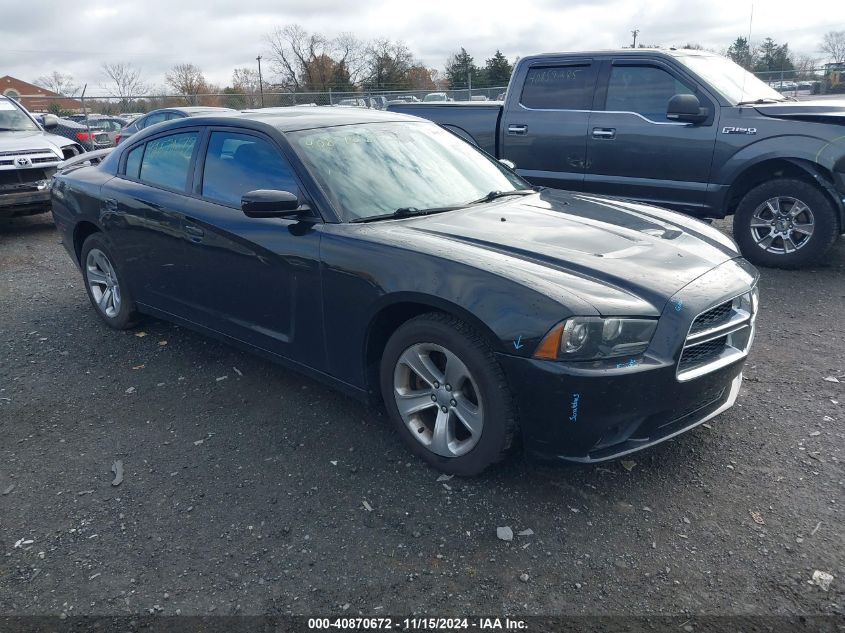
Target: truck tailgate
475	122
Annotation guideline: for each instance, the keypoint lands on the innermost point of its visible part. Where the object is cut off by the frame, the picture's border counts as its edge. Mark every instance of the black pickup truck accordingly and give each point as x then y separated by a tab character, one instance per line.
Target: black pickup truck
683	129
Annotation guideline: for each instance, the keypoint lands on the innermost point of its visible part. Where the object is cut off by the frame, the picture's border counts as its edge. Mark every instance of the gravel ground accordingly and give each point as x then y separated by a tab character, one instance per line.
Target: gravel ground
249	489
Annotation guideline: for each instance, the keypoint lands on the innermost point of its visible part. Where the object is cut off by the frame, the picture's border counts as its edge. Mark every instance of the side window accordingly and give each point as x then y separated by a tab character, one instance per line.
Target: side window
167	160
158	117
237	163
645	90
559	88
133	161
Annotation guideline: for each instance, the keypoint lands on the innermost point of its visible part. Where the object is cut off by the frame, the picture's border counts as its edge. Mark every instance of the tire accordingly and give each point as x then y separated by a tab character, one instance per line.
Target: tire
446	349
767	238
106	285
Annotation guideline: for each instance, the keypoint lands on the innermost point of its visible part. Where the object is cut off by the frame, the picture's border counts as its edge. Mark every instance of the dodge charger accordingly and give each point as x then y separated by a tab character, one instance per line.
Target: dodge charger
389	258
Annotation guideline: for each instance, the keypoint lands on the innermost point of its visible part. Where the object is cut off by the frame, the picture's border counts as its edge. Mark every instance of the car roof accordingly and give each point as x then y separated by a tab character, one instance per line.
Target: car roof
289	119
625	52
193	110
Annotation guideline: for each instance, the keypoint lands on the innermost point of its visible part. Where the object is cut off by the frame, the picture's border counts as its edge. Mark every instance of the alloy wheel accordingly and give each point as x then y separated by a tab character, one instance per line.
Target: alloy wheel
103	283
782	225
438	399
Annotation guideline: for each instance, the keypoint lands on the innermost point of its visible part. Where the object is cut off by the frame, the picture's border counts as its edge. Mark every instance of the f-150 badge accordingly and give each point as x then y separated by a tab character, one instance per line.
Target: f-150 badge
739	130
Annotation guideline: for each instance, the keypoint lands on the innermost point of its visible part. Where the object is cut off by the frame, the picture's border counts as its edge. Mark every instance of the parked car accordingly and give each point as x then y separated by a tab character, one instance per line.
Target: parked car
357	102
382	254
435	96
685	129
165	114
90	136
111	124
29	156
479	98
378	102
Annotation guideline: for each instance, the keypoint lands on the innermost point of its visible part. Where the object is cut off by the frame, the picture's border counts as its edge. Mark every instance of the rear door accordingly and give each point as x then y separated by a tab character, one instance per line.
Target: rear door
634	151
145	205
544	125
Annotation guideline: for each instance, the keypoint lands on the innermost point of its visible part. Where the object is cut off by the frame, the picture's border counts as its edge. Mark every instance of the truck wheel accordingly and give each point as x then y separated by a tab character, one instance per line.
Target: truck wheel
785	223
447	395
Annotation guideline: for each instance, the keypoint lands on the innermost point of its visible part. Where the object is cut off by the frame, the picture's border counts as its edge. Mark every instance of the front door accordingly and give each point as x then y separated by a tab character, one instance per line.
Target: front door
634	151
253	279
544	127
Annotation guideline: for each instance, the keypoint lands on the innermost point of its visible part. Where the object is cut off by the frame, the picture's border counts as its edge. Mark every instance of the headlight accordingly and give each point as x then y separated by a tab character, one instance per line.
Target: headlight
589	338
748	302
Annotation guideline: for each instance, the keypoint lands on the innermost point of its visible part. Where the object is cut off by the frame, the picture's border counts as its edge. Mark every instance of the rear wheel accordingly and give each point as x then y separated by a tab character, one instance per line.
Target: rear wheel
447	394
106	285
785	223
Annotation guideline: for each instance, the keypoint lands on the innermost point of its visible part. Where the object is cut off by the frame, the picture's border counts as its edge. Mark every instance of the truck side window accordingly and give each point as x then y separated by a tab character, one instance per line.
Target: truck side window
645	90
559	87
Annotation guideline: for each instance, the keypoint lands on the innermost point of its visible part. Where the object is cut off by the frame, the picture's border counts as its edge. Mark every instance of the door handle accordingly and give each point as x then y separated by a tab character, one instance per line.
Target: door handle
110	204
608	133
517	129
195	233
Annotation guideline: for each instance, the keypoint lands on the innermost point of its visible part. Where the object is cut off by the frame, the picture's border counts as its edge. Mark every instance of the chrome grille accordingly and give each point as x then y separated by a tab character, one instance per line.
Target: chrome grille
717	337
26	152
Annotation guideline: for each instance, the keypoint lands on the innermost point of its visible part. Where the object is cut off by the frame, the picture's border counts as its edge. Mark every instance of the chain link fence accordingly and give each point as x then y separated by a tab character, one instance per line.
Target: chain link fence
377	99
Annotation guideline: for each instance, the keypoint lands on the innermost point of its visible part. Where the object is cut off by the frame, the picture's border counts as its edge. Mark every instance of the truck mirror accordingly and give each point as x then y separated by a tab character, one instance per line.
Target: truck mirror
686	108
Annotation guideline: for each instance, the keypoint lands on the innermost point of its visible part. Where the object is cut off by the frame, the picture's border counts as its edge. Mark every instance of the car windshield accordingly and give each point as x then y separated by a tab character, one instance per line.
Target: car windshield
376	168
12	118
735	83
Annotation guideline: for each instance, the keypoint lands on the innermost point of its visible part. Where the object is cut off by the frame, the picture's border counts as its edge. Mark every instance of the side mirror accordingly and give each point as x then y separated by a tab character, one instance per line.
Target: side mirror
50	121
508	163
271	203
686	108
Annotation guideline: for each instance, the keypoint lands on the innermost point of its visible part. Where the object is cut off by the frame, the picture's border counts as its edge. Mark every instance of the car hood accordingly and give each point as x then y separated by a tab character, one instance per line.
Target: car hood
606	250
32	139
825	111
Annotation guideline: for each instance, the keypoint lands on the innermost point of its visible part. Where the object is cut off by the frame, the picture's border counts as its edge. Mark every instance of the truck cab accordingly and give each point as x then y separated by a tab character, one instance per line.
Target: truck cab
683	129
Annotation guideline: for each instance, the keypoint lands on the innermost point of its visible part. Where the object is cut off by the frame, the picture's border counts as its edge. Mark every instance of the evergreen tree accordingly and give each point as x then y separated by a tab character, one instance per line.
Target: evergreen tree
497	70
741	53
460	68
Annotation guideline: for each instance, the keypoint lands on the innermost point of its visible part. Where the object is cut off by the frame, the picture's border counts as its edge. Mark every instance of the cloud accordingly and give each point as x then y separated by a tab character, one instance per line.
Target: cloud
220	35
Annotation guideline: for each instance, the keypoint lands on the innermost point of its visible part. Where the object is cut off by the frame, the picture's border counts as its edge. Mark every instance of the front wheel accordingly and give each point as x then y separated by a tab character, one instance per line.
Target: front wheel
447	395
785	223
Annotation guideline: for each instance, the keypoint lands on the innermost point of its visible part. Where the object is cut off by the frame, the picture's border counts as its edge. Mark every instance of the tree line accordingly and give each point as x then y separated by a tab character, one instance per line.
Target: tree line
301	61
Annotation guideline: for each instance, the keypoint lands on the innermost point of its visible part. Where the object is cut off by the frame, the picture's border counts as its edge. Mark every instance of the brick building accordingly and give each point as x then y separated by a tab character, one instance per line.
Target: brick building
35	98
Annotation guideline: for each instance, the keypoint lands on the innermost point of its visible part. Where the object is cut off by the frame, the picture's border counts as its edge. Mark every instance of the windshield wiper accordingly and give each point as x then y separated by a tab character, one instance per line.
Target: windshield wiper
761	101
494	195
405	212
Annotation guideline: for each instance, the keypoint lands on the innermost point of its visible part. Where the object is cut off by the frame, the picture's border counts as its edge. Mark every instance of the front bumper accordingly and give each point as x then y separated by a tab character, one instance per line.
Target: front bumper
24	203
583	417
592	411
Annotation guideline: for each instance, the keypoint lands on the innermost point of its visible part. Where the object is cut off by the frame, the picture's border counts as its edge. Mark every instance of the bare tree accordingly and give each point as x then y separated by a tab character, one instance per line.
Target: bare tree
245	82
188	81
833	45
59	83
804	66
388	65
312	61
123	81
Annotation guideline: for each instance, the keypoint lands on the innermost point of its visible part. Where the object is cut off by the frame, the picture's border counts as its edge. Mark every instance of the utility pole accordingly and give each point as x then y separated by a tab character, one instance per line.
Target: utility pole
260	81
635	32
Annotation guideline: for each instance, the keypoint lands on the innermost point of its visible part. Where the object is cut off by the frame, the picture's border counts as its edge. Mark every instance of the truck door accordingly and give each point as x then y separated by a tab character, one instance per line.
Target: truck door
544	125
634	151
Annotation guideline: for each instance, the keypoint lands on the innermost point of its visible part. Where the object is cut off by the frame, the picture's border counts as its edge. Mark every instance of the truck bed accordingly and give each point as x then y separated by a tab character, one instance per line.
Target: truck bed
477	122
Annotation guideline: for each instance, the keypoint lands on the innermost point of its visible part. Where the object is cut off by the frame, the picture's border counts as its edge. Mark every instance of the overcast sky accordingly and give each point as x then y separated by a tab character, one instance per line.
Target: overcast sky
219	35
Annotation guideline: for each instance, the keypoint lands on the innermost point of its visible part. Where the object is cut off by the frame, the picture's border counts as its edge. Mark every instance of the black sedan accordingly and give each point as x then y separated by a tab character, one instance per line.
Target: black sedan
389	258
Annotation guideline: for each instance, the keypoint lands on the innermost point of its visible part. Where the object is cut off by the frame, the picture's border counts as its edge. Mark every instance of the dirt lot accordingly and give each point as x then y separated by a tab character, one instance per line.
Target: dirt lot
245	485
